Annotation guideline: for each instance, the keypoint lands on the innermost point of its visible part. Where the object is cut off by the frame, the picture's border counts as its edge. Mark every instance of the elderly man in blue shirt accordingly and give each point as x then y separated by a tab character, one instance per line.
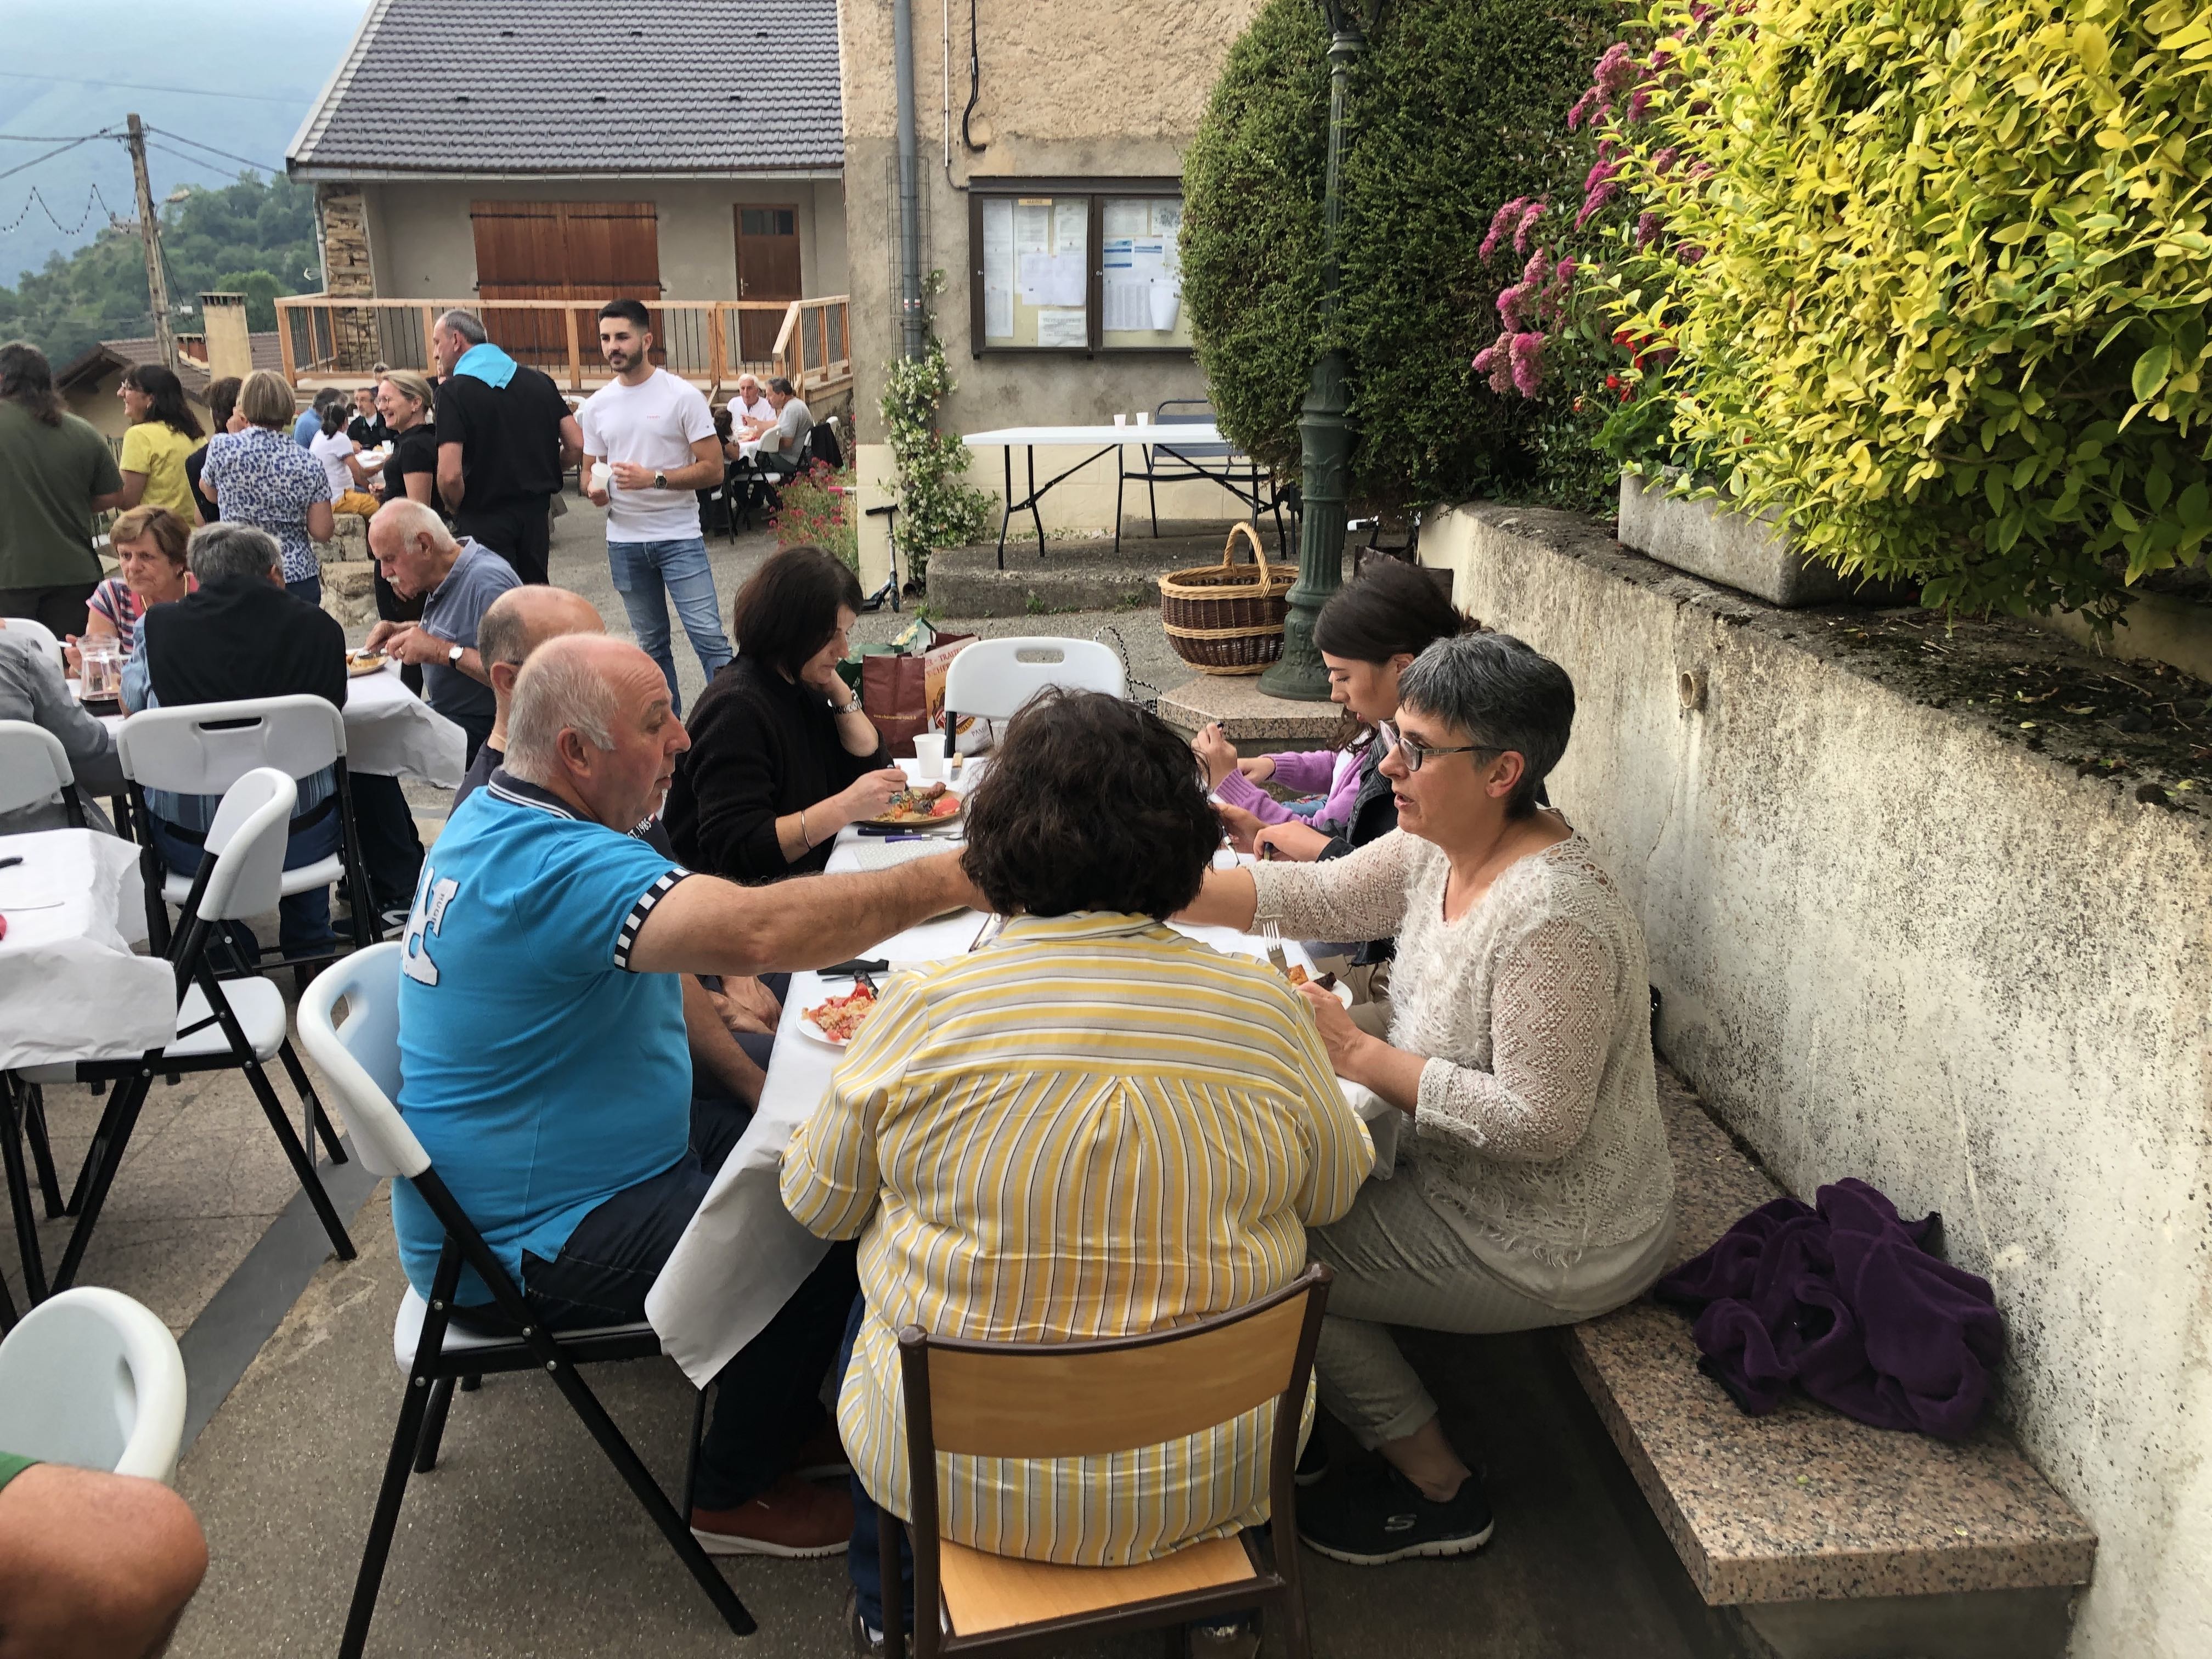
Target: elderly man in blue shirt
545	1068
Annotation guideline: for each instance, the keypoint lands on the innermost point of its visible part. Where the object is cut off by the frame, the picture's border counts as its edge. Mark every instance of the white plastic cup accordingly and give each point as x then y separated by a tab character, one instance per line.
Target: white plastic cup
929	756
601	472
1144	417
1120	420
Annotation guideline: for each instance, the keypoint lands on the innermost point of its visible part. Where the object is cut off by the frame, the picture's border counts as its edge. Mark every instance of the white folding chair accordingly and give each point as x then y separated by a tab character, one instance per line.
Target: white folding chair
91	1378
202	749
34	768
359	1054
220	1024
41	634
992	679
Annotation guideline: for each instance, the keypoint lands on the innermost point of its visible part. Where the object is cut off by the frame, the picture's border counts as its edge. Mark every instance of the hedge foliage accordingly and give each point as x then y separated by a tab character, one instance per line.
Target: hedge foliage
1937	272
1458	106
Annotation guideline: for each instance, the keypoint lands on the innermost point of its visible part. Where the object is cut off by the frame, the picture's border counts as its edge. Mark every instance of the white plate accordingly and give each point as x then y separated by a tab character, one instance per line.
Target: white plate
807	1027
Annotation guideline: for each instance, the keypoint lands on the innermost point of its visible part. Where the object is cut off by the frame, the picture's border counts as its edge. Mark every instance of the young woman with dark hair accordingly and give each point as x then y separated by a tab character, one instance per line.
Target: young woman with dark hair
781	757
1368	634
164	433
222	414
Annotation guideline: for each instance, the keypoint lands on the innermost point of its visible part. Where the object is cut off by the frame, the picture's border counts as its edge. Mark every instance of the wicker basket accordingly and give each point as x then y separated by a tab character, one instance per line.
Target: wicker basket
1227	618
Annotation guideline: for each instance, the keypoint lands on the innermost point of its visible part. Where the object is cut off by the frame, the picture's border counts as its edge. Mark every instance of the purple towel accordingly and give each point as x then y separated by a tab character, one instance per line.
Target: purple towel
1846	1302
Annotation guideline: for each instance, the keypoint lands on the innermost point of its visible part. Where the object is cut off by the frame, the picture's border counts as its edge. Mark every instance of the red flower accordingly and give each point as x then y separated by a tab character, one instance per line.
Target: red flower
1612	383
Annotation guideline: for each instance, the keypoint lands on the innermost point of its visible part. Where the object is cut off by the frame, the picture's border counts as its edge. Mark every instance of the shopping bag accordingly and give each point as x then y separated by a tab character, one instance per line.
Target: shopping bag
894	695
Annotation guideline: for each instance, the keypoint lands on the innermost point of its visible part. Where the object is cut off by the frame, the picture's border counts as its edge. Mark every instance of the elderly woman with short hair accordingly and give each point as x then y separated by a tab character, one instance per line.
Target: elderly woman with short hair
1537	1189
1092	1127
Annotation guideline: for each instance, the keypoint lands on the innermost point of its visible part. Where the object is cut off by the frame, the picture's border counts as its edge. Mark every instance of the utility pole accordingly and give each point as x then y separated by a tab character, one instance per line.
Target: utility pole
149	233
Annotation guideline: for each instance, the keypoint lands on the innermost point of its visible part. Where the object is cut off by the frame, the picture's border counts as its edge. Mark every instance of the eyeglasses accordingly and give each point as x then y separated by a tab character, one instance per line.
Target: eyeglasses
1416	753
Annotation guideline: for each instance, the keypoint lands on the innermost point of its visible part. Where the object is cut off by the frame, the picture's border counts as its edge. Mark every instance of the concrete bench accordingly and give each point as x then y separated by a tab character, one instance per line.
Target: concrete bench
1828	1538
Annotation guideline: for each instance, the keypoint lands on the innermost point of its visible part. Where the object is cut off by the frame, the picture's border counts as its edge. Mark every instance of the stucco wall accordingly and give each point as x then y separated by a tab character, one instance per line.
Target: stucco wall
422	245
1896	944
1110	89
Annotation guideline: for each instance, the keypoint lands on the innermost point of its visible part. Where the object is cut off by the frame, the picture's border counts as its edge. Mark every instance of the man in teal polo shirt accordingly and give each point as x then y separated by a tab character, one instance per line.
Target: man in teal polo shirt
544	1063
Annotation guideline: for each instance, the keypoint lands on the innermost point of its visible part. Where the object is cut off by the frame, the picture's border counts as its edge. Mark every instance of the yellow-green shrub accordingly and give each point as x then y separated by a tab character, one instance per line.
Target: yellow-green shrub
1946	273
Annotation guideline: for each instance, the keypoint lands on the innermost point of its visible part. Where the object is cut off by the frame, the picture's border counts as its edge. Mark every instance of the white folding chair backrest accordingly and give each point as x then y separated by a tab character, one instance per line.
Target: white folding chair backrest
994	678
361	1057
24	627
90	1377
247	841
204	748
33	765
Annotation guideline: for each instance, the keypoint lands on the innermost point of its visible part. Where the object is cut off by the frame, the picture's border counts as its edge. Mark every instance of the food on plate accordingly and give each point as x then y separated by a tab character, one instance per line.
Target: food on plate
1296	973
840	1018
364	662
919	803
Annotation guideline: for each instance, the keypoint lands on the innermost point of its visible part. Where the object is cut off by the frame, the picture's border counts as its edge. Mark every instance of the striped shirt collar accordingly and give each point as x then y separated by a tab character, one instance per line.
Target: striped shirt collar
509	787
1082	924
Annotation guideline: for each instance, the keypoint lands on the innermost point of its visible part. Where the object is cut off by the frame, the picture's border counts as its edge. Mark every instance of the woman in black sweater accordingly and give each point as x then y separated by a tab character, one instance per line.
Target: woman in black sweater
781	757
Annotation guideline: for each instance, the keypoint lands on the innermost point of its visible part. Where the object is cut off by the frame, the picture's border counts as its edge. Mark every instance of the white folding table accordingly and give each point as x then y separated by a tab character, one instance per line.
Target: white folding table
1193	444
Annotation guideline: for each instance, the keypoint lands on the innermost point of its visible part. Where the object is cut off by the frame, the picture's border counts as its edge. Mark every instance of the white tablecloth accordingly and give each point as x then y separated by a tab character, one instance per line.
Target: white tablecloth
69	987
742	1255
390	730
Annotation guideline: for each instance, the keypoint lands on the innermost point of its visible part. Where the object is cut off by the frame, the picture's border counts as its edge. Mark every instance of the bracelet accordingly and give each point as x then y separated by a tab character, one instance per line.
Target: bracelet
803	836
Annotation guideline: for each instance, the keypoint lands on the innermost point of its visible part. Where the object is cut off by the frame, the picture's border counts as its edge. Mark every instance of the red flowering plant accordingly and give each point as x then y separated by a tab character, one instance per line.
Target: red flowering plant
1558	342
817	511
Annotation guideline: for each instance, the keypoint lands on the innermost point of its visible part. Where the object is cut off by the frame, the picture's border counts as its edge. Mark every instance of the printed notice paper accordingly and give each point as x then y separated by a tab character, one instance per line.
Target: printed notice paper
1051	279
1061	327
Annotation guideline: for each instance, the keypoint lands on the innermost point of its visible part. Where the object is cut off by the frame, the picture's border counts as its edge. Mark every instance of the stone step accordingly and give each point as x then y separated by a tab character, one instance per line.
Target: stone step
1827	1536
1073	574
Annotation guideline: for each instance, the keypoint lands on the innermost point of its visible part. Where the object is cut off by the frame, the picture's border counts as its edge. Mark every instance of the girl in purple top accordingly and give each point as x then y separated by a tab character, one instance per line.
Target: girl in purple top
1368	634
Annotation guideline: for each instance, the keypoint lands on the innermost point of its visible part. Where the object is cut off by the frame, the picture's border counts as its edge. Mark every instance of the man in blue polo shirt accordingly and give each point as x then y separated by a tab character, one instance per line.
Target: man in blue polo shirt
543	1062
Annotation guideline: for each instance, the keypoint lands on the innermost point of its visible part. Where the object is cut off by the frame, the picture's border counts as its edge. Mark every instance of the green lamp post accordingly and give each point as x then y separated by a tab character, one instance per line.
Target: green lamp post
1324	421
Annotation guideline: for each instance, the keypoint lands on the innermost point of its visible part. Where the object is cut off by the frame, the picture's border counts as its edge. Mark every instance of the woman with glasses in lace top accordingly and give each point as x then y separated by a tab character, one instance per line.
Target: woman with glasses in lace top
1536	1188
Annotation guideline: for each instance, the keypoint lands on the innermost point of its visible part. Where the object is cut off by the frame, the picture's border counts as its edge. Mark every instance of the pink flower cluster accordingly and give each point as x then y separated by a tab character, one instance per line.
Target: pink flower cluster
1517	219
1515	360
1616	73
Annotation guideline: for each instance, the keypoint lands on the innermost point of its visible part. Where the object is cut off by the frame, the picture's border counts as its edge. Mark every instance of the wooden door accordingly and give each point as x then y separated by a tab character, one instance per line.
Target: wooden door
767	269
555	251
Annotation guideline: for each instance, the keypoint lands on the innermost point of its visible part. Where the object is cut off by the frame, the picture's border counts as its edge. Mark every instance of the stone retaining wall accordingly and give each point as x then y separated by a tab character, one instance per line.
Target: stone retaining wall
1902	941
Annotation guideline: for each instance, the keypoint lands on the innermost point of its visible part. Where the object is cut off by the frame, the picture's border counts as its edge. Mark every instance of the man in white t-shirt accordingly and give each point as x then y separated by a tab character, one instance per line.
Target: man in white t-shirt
654	434
750	412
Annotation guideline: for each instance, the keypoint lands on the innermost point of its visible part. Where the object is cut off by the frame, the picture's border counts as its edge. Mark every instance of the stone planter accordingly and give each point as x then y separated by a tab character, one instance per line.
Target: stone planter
1753	555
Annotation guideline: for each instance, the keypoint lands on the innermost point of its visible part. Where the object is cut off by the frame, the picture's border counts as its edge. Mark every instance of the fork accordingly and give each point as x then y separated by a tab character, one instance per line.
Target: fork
1272	936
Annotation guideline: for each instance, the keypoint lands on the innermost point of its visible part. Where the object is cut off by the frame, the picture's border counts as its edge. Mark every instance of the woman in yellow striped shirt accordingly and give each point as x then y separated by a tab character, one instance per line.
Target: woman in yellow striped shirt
1093	1127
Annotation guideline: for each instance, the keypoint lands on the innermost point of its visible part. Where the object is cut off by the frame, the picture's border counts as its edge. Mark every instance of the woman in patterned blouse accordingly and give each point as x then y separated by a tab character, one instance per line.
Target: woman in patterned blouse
149	541
260	476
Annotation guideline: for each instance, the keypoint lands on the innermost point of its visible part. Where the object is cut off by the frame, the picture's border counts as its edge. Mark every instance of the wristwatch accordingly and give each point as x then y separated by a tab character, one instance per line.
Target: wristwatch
851	707
660	481
453	656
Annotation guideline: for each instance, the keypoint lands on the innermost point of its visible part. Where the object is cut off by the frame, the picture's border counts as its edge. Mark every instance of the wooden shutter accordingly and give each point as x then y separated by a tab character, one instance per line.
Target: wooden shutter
553	251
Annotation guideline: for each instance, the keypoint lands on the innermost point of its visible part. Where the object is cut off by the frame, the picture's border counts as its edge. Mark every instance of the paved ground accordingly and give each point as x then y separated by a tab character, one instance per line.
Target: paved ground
525	1542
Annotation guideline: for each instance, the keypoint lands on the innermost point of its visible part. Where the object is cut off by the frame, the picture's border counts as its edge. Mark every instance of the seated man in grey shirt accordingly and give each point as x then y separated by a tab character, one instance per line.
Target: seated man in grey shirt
458	581
779	450
32	689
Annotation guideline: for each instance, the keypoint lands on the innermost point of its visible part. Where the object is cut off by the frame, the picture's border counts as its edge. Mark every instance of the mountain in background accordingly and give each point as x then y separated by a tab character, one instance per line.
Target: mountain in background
239	77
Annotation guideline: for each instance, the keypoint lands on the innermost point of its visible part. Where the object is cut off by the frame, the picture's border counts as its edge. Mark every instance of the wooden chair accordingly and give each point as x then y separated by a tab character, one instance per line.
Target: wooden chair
1081	1399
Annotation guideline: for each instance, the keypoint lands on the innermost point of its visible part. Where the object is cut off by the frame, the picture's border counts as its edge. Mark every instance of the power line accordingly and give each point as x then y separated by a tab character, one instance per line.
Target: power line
212	150
142	86
44	137
105	133
202	161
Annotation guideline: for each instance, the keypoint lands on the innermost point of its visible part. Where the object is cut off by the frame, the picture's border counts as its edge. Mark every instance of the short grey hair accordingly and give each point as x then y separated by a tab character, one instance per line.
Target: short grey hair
1505	696
466	324
225	549
781	387
558	690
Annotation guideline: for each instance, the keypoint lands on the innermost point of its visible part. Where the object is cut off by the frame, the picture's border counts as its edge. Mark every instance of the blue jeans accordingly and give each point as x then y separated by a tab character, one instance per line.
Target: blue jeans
641	570
303	921
766	1405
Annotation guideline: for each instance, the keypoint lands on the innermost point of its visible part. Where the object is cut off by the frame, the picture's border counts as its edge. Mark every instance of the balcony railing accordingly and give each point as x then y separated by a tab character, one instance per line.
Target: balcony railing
339	342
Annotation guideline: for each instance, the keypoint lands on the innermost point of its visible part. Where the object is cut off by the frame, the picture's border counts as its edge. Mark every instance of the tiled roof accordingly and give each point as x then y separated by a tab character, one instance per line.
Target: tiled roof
647	89
268	353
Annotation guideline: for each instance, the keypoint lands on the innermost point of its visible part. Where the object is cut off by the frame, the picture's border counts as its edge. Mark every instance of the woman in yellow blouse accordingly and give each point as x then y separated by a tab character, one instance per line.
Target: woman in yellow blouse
163	432
1092	1127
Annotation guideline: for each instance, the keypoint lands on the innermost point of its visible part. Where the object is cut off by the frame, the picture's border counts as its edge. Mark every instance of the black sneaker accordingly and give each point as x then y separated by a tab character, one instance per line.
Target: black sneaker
1313	1462
1370	1523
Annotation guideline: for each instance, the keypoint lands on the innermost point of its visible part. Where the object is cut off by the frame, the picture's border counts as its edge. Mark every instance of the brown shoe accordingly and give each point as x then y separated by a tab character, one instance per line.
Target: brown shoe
821	1456
791	1519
